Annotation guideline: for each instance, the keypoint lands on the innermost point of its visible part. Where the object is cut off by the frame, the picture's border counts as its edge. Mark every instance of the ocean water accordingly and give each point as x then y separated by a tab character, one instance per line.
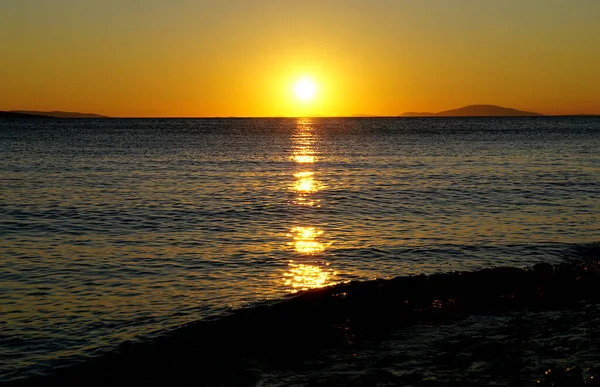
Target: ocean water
124	229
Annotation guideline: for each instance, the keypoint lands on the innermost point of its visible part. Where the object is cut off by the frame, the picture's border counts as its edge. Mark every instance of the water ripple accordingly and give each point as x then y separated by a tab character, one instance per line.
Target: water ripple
115	229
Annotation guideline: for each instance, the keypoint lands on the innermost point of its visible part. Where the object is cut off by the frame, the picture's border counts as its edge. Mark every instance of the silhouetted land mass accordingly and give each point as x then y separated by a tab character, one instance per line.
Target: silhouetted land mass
283	335
21	116
475	111
59	114
579	115
418	114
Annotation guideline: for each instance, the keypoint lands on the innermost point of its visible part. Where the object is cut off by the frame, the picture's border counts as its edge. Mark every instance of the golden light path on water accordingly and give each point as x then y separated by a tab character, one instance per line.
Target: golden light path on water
308	270
304	159
305	240
306	182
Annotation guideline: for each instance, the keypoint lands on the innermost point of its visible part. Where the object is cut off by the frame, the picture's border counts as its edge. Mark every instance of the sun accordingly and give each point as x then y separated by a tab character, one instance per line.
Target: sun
305	89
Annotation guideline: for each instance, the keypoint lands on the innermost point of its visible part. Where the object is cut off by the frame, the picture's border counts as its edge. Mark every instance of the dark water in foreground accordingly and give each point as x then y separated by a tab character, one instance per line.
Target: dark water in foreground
115	230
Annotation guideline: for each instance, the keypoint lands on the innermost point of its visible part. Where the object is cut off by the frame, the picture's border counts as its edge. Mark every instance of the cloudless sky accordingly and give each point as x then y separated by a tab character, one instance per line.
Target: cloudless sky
242	57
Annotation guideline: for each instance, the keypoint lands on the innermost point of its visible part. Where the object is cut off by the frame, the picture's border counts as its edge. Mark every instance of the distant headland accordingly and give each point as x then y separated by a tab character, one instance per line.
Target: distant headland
25	114
475	111
465	111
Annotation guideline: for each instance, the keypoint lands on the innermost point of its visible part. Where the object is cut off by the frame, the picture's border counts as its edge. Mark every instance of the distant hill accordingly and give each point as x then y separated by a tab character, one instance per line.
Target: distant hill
418	114
476	111
59	114
21	116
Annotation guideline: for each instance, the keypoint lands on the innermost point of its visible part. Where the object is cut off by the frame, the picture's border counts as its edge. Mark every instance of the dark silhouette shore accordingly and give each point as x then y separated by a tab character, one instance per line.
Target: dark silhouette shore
299	334
29	114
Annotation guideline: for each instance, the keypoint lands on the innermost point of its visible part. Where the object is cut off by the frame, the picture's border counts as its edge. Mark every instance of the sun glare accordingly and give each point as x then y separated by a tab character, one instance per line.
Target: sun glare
305	89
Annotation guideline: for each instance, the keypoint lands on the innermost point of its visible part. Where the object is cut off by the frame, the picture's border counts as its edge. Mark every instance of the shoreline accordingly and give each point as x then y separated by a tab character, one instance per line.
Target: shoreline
345	318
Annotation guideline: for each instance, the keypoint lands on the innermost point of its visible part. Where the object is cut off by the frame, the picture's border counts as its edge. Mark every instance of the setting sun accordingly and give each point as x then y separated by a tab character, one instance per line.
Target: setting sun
305	89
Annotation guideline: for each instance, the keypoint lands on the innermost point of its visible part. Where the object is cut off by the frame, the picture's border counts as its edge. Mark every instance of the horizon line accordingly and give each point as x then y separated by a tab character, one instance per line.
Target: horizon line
340	116
299	117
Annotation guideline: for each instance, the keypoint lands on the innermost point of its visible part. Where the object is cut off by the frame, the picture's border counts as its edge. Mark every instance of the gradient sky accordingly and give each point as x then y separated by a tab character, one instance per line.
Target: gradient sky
242	57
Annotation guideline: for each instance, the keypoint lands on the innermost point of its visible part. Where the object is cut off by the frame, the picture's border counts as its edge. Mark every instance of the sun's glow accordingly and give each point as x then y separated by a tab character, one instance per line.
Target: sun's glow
305	89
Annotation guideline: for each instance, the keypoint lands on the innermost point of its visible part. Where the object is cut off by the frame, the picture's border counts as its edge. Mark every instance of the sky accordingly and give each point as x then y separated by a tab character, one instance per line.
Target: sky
201	58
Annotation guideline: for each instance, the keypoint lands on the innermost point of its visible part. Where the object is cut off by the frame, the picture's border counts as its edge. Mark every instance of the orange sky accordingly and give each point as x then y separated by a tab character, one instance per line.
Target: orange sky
242	57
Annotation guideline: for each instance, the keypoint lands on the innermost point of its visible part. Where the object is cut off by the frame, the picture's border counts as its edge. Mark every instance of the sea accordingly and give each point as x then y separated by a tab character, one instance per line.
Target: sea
122	233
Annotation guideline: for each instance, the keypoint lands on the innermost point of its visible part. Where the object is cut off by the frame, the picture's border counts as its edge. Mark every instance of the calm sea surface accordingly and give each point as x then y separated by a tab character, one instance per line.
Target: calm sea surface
117	229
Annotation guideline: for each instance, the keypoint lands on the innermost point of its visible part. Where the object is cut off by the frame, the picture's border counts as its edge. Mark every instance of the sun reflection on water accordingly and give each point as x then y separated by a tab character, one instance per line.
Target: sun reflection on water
306	182
304	159
304	201
304	175
302	276
306	240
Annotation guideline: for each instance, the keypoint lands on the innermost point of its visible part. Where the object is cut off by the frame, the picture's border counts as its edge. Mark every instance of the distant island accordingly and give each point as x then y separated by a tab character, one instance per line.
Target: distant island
475	111
25	114
20	116
466	111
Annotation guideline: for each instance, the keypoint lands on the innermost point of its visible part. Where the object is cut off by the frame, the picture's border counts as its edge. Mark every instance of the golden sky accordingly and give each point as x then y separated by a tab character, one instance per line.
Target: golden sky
243	57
